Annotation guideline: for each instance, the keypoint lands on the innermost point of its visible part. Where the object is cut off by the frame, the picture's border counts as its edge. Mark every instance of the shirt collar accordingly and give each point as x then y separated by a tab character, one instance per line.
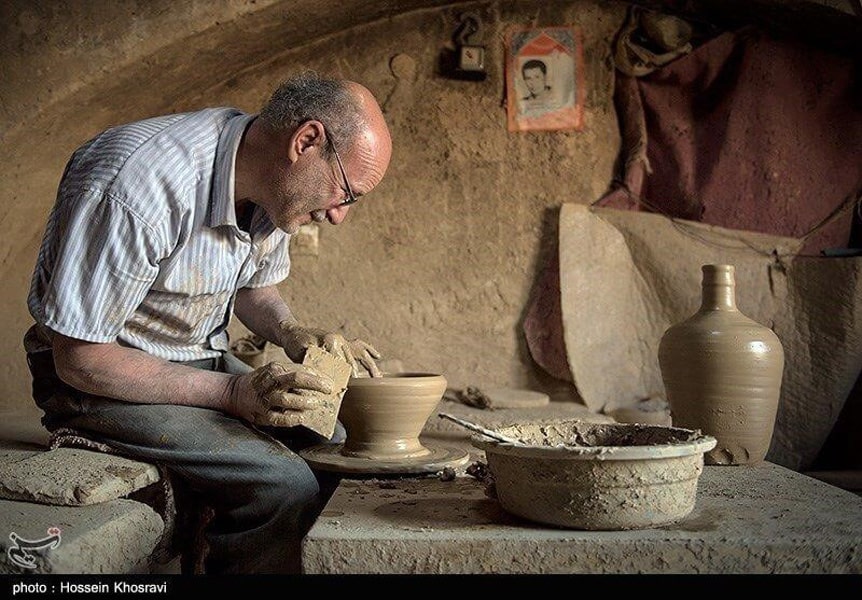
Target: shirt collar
223	199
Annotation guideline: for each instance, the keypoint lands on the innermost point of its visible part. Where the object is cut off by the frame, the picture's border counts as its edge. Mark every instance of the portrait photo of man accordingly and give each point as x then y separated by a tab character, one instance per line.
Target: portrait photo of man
535	75
544	79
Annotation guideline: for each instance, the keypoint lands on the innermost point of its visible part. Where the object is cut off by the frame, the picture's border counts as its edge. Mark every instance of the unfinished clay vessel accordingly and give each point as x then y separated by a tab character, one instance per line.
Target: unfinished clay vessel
722	373
384	416
596	476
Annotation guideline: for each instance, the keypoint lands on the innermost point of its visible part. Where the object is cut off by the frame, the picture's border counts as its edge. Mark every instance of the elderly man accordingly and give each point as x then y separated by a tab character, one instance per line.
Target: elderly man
162	230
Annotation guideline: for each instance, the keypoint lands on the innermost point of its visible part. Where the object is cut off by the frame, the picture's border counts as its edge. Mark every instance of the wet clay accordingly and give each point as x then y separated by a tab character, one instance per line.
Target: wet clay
322	413
722	372
325	415
629	435
384	416
597	476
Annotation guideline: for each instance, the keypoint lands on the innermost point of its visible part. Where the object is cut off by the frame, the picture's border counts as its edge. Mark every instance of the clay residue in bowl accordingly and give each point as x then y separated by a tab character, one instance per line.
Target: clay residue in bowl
591	435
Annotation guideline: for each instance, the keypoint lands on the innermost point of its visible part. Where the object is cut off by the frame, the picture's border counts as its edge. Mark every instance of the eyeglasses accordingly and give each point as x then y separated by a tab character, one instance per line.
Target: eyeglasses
351	197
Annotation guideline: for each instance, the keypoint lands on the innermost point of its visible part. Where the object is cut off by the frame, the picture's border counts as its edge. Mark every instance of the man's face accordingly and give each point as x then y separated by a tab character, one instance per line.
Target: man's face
535	80
314	188
310	192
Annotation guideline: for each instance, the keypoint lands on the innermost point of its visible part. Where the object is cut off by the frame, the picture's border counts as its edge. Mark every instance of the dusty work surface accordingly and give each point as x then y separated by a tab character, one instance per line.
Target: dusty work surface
758	519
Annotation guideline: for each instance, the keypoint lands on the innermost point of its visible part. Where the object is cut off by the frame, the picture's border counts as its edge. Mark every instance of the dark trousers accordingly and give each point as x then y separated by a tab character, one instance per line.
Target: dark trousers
264	495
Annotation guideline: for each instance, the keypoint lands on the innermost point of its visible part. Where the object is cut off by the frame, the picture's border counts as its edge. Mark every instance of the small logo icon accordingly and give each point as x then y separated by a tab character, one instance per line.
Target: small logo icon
20	551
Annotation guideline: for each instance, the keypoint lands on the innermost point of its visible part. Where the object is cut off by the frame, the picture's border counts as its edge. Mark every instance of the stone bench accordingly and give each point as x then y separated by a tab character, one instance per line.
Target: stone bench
78	511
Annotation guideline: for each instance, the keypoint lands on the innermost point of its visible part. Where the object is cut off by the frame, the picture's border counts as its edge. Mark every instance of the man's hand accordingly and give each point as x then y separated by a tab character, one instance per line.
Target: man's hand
295	339
277	394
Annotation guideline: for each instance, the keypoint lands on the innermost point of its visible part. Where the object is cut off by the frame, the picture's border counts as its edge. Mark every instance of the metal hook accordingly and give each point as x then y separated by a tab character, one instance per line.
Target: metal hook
468	27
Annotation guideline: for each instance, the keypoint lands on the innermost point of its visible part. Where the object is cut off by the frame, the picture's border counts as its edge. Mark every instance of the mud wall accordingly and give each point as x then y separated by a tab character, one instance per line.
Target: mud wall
436	266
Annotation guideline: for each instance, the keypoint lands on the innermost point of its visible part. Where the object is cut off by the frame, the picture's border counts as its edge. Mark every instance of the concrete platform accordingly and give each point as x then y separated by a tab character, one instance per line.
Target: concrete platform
71	476
759	519
763	519
117	536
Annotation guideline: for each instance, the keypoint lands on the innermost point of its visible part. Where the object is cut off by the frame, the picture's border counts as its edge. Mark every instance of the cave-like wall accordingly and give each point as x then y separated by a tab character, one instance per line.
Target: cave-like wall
436	266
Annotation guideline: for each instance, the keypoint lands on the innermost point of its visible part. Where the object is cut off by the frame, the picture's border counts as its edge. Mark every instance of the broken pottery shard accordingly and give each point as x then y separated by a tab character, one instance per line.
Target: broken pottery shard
322	420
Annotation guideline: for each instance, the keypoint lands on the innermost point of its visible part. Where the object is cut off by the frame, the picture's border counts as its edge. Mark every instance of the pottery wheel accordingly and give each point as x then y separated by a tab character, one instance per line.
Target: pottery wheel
328	457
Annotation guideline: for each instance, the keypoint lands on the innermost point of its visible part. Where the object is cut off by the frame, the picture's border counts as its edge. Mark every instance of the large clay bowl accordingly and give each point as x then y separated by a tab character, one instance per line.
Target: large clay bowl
581	475
384	416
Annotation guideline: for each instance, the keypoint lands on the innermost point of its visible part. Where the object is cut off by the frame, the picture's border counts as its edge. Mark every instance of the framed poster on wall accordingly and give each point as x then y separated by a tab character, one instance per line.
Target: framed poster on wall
544	78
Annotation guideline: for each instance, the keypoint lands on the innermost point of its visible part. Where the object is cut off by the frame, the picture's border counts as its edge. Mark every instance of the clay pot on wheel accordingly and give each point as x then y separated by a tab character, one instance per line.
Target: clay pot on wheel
722	373
384	416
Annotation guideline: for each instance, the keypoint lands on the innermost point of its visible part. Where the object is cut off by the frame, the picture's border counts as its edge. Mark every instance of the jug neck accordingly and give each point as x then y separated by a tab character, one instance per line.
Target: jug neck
719	288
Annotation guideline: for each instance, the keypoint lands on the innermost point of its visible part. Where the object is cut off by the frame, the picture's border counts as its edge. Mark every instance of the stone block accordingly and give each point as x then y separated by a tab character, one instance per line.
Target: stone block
116	537
70	476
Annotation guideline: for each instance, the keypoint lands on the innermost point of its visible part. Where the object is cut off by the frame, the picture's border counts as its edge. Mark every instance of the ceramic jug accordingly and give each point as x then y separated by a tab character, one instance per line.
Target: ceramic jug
722	373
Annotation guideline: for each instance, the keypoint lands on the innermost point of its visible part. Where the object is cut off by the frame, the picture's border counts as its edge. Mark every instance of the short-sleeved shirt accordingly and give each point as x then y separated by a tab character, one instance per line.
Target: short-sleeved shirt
143	247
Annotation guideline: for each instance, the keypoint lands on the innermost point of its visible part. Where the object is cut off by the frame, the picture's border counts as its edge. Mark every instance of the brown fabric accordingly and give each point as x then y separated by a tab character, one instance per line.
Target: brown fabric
753	133
544	320
745	132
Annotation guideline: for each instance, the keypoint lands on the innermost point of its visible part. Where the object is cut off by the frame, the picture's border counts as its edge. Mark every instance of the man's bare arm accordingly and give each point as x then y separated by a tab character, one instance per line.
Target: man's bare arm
270	395
132	375
262	310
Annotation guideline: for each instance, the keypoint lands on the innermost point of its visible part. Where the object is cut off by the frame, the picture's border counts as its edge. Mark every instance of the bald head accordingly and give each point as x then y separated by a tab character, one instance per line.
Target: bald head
346	109
372	135
287	161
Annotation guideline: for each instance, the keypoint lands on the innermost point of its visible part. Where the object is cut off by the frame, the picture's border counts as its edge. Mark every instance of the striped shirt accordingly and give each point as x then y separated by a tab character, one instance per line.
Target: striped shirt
142	246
